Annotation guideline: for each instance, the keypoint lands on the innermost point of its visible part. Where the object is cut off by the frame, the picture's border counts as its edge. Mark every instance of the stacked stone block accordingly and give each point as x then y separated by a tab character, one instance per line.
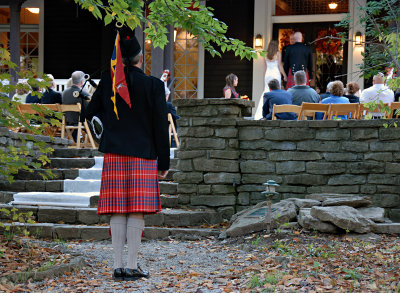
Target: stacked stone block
224	158
208	165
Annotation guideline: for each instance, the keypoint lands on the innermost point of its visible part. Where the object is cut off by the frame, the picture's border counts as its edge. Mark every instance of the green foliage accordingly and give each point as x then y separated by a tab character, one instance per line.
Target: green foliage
157	15
352	274
381	20
13	229
14	158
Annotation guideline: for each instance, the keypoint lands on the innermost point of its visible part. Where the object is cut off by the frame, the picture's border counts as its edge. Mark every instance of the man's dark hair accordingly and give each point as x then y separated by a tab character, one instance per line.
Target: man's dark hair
273	84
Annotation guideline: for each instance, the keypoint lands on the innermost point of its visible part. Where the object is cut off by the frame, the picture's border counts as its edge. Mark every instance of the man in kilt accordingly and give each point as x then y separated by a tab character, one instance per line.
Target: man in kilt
135	144
297	57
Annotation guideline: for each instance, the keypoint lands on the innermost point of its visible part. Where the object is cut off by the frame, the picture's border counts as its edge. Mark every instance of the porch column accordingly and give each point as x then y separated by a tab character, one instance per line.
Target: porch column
157	61
140	37
263	11
15	10
354	52
169	58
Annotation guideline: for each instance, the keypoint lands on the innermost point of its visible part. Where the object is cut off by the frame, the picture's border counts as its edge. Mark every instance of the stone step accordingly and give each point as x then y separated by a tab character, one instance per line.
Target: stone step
93	185
6	196
89	216
32	185
61	199
75	153
386	228
58	174
82	232
71	163
173	163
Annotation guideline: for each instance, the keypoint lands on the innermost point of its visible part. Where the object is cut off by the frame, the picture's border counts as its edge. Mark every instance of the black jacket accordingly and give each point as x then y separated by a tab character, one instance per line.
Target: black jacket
298	57
141	131
51	97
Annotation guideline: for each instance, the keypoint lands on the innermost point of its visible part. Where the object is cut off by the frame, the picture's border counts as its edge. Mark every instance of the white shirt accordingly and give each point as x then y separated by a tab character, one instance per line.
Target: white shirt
376	93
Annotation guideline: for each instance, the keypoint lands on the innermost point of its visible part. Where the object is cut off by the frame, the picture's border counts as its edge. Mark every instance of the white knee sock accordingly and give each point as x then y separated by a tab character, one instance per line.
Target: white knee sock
118	237
135	228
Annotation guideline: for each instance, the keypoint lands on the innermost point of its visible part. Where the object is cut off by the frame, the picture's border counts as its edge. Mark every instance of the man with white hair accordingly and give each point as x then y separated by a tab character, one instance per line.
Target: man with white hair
297	57
328	91
377	92
68	96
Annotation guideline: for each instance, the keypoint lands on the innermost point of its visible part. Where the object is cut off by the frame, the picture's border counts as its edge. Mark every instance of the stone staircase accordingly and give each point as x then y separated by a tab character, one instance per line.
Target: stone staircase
64	207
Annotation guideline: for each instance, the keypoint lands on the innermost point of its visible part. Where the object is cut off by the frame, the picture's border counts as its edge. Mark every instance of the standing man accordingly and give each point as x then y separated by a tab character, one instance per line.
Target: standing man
297	57
136	149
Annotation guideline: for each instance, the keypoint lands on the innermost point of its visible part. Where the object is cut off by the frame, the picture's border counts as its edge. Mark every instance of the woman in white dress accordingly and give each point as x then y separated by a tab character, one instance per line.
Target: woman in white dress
273	69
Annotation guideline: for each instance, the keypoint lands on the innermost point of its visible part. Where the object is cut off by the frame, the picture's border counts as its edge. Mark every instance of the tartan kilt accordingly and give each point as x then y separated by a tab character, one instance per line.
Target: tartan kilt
290	79
129	185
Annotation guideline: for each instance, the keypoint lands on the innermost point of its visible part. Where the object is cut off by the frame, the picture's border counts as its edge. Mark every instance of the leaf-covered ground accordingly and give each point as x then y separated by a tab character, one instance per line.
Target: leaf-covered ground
293	262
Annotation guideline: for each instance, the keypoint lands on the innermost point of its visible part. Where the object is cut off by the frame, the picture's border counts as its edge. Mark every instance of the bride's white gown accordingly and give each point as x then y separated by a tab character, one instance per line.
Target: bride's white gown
272	72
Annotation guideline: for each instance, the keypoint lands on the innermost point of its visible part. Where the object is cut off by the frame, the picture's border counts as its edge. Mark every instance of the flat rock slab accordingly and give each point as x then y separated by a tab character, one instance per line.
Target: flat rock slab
55	271
253	219
304	203
351	201
324	196
375	214
344	217
309	222
387	228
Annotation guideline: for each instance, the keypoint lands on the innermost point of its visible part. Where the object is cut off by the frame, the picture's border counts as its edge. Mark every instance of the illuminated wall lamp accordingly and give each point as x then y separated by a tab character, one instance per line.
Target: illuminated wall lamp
332	5
34	10
358	39
258	41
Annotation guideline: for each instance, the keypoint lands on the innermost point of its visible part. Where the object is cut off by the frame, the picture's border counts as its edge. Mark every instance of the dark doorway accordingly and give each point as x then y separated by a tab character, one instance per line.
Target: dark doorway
329	55
239	16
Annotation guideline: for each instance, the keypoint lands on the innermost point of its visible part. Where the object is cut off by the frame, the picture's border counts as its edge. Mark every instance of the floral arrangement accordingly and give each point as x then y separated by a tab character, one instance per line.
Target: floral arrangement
284	37
327	45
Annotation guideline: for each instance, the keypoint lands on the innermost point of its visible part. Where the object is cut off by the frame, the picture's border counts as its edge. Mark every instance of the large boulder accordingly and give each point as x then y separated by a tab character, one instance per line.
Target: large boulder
309	222
324	196
375	214
351	201
344	217
253	219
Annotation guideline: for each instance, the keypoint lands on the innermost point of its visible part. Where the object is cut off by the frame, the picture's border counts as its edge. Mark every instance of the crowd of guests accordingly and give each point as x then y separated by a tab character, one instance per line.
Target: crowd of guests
295	65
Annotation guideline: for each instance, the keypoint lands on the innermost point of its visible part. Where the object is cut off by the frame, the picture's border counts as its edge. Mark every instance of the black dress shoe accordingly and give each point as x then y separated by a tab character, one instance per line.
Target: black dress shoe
135	274
119	274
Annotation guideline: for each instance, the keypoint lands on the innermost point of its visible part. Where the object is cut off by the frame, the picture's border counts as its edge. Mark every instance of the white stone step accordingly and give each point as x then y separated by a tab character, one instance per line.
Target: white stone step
98	163
89	174
64	199
82	185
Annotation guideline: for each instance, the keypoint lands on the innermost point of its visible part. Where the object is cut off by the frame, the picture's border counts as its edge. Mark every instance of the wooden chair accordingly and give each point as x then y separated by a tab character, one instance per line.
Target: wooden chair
309	110
30	109
285	109
350	110
394	110
172	130
363	111
83	130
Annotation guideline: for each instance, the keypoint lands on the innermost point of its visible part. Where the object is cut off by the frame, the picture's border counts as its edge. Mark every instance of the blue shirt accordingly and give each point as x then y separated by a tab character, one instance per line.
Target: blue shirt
277	97
333	100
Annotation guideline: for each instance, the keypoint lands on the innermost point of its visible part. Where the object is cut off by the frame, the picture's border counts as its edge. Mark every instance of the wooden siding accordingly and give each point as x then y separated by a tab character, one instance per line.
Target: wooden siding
239	16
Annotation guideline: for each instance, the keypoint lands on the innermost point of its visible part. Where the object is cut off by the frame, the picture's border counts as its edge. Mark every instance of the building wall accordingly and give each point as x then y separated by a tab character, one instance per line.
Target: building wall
238	15
225	159
74	40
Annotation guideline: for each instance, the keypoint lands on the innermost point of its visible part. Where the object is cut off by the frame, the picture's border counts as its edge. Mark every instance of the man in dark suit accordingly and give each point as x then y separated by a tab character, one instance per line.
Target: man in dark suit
33	99
297	57
50	96
68	96
136	146
276	96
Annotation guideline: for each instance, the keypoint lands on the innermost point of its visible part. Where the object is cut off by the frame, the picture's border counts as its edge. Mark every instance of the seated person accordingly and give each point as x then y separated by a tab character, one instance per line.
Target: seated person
352	90
328	91
33	98
50	96
21	94
229	89
336	97
172	110
277	96
301	92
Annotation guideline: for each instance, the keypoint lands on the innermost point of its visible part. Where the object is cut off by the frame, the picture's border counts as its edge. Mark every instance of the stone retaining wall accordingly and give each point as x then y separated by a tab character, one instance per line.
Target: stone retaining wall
224	159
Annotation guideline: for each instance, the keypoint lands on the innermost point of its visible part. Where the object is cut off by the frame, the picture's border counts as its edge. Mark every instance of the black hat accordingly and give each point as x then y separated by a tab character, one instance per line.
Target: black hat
130	46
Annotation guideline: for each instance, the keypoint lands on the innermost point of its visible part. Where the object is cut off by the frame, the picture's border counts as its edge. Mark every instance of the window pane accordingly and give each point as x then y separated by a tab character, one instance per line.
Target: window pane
296	7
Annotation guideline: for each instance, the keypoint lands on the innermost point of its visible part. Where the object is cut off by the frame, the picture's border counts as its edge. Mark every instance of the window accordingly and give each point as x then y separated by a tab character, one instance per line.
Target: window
186	56
296	7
